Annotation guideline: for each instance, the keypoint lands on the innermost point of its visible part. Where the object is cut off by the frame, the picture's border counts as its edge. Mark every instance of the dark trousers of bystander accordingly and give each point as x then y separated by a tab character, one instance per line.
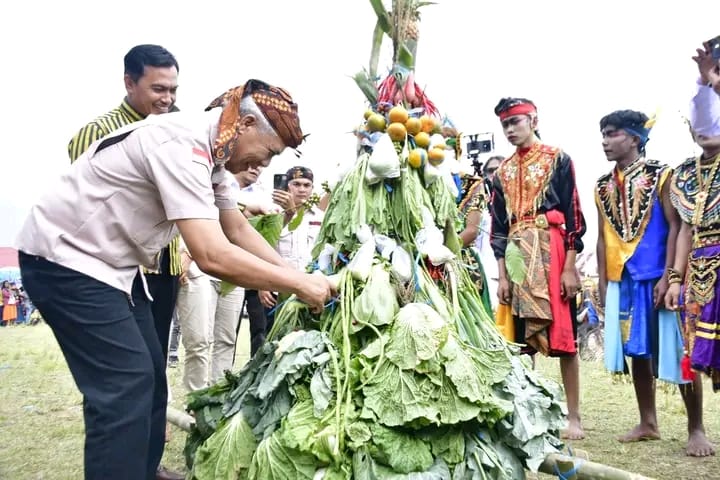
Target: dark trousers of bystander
258	320
163	288
112	349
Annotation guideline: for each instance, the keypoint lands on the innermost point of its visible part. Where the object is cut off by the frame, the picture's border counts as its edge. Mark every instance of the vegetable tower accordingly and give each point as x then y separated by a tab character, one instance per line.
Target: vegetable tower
404	375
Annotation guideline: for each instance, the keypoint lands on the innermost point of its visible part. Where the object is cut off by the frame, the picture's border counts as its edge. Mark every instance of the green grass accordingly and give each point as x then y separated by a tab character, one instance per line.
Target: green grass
41	429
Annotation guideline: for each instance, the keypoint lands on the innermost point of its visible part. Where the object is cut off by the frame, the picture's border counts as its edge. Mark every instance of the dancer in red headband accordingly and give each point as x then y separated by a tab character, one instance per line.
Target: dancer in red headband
536	231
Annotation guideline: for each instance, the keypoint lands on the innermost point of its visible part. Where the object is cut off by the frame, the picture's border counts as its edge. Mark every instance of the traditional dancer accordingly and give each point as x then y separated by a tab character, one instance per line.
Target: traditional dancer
537	229
637	232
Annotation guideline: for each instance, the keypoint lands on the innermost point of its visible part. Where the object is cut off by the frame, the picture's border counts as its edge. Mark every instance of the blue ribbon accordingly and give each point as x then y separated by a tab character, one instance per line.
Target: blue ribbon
643	134
569	473
333	301
272	312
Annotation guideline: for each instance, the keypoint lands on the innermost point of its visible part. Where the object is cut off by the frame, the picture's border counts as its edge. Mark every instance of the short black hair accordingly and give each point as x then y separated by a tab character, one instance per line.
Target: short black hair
631	119
624	119
144	55
509	102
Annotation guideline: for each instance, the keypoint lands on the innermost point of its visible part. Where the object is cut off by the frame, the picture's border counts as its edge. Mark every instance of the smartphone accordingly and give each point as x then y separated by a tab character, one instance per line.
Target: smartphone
279	181
715	47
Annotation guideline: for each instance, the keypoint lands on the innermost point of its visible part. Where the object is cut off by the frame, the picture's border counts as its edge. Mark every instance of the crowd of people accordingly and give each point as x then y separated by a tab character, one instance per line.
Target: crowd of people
152	219
16	307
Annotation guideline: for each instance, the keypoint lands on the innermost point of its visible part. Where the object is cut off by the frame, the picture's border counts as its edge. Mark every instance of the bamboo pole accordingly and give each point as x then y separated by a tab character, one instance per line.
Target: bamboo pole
585	469
180	419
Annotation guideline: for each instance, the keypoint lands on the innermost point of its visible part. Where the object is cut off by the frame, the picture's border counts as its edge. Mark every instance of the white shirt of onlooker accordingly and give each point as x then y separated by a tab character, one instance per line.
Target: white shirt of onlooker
296	247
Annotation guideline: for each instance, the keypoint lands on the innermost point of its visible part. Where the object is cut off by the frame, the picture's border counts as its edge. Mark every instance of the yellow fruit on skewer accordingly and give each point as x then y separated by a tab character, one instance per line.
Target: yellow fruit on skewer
375	123
413	125
428	124
422	140
397	131
436	156
398	114
417	157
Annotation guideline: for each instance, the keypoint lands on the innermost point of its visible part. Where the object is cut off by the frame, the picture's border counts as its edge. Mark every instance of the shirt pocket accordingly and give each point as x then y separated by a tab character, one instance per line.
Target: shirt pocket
150	233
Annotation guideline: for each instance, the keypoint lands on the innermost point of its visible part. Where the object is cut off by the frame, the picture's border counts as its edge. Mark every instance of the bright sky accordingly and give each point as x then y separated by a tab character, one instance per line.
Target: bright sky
577	60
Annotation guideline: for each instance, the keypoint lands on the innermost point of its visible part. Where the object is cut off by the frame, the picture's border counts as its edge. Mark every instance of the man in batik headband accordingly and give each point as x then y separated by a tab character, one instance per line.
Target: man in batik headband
637	233
537	228
121	202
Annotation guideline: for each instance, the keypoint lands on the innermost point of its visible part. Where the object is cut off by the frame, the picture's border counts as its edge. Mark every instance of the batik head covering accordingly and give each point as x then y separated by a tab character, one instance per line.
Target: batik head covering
296	173
633	122
275	104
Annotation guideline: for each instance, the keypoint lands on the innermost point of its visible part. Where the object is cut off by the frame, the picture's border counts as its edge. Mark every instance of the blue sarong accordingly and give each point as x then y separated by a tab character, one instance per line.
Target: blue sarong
649	333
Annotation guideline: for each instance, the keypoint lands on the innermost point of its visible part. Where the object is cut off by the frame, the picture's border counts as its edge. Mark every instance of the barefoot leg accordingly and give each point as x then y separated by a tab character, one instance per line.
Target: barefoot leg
570	370
698	444
644	383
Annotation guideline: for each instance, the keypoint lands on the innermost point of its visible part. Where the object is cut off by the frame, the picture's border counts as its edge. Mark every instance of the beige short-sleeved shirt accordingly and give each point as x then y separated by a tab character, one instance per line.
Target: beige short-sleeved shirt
116	207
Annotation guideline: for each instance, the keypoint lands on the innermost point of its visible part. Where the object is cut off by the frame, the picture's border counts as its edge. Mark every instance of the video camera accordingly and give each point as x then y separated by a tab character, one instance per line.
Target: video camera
477	144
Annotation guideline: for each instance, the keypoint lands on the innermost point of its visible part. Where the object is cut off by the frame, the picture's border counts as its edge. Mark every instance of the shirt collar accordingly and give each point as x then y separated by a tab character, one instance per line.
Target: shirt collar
134	114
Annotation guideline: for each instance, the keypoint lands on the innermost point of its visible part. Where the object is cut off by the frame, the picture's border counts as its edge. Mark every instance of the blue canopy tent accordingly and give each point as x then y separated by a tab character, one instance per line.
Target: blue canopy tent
11	274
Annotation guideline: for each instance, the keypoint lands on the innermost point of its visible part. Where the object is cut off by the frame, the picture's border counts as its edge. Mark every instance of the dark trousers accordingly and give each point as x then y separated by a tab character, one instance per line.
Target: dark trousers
114	355
163	288
258	320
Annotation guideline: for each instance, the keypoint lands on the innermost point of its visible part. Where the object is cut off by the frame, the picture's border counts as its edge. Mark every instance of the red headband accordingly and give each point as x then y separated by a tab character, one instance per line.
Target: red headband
519	109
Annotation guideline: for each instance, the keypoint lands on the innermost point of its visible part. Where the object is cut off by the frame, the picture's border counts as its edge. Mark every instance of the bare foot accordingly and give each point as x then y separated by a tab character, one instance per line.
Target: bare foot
698	445
640	433
574	431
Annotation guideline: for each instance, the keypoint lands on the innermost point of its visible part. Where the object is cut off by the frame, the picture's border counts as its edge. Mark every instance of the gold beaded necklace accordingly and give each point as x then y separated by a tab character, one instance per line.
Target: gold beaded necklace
703	187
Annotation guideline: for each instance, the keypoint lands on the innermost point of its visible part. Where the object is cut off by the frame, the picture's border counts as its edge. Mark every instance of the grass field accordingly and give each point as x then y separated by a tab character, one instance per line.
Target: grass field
41	430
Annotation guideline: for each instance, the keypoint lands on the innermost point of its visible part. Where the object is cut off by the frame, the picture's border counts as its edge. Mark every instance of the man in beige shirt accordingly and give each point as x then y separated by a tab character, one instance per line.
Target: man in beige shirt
123	200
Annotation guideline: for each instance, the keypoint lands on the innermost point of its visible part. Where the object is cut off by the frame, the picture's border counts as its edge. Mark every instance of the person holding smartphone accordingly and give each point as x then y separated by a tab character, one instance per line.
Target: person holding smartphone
292	189
708	60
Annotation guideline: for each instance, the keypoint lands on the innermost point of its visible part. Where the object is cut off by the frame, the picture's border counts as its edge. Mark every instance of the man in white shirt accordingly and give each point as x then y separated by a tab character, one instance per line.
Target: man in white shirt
253	192
295	247
209	319
121	202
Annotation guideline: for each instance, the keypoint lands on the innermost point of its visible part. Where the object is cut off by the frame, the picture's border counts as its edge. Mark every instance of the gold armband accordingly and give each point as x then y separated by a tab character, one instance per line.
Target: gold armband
673	276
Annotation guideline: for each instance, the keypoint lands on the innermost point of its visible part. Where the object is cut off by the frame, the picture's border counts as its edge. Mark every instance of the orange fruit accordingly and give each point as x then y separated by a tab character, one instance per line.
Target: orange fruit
413	125
428	124
397	131
417	157
422	140
375	123
398	114
436	156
